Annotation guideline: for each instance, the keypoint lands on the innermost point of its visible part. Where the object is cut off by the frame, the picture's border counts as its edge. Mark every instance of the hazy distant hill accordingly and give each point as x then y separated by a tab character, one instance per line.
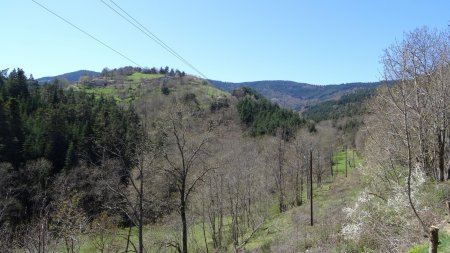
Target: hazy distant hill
297	95
71	77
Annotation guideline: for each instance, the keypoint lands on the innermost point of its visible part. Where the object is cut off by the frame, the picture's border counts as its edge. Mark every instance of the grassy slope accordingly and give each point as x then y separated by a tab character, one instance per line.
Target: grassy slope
137	77
133	89
98	91
339	159
291	231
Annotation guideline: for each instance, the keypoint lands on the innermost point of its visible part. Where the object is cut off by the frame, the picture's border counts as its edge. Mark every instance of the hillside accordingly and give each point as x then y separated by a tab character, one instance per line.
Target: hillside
96	151
295	95
71	76
349	105
159	161
288	94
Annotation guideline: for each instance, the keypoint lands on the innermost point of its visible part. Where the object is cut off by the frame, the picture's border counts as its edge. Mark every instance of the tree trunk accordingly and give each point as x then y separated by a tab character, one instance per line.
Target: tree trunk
128	239
220	215
410	165
298	200
441	154
301	189
346	162
280	177
448	171
204	227
311	186
448	210
308	180
184	223
140	237
67	244
331	161
183	214
434	239
319	172
353	158
141	211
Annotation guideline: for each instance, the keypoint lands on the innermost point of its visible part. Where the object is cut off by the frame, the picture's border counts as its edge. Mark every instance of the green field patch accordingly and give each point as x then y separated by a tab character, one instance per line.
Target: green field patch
105	91
353	161
137	77
212	91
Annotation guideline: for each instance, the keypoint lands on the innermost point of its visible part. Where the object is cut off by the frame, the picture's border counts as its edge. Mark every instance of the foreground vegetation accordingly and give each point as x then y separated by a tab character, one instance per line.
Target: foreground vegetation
278	231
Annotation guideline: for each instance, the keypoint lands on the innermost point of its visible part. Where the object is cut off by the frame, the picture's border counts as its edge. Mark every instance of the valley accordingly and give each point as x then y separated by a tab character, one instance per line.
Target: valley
138	159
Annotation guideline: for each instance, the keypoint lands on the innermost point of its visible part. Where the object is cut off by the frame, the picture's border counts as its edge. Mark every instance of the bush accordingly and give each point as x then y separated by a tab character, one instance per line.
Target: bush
165	90
218	104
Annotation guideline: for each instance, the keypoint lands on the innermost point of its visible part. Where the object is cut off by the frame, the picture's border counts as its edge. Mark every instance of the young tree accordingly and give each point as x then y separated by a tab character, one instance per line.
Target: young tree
69	221
185	140
135	196
280	171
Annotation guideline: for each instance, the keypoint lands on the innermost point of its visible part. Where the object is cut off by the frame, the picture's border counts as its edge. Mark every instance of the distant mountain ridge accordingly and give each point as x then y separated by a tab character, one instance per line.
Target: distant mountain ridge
71	76
295	95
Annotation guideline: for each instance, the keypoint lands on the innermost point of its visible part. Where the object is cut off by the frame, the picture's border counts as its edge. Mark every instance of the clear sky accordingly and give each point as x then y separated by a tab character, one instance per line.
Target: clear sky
319	42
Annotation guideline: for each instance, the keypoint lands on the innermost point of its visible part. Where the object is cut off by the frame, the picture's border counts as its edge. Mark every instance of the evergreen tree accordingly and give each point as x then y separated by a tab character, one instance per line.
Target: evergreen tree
16	134
5	140
17	84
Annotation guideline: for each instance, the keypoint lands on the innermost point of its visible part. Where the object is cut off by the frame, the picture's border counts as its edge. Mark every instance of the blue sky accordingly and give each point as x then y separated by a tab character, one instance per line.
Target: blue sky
319	42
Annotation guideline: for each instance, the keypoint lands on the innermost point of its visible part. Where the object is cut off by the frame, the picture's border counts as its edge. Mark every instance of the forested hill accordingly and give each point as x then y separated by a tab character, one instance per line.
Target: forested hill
297	95
112	150
288	94
71	76
349	105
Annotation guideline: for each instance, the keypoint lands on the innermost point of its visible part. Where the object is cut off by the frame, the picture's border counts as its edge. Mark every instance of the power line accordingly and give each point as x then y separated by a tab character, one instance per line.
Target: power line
86	33
148	33
151	35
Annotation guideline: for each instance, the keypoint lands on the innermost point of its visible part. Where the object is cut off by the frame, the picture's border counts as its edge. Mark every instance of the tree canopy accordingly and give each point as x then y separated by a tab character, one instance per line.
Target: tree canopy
262	116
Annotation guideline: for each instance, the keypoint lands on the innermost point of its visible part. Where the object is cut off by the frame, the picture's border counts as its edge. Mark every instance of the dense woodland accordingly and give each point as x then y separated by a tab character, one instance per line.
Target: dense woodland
349	105
49	136
264	117
184	167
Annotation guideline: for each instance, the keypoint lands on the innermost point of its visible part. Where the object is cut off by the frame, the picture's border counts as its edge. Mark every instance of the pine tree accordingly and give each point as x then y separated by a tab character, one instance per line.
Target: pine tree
17	84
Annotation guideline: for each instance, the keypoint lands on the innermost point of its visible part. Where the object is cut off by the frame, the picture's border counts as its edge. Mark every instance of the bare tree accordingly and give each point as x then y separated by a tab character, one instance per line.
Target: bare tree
105	232
69	221
280	170
214	208
185	147
133	198
302	144
409	117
